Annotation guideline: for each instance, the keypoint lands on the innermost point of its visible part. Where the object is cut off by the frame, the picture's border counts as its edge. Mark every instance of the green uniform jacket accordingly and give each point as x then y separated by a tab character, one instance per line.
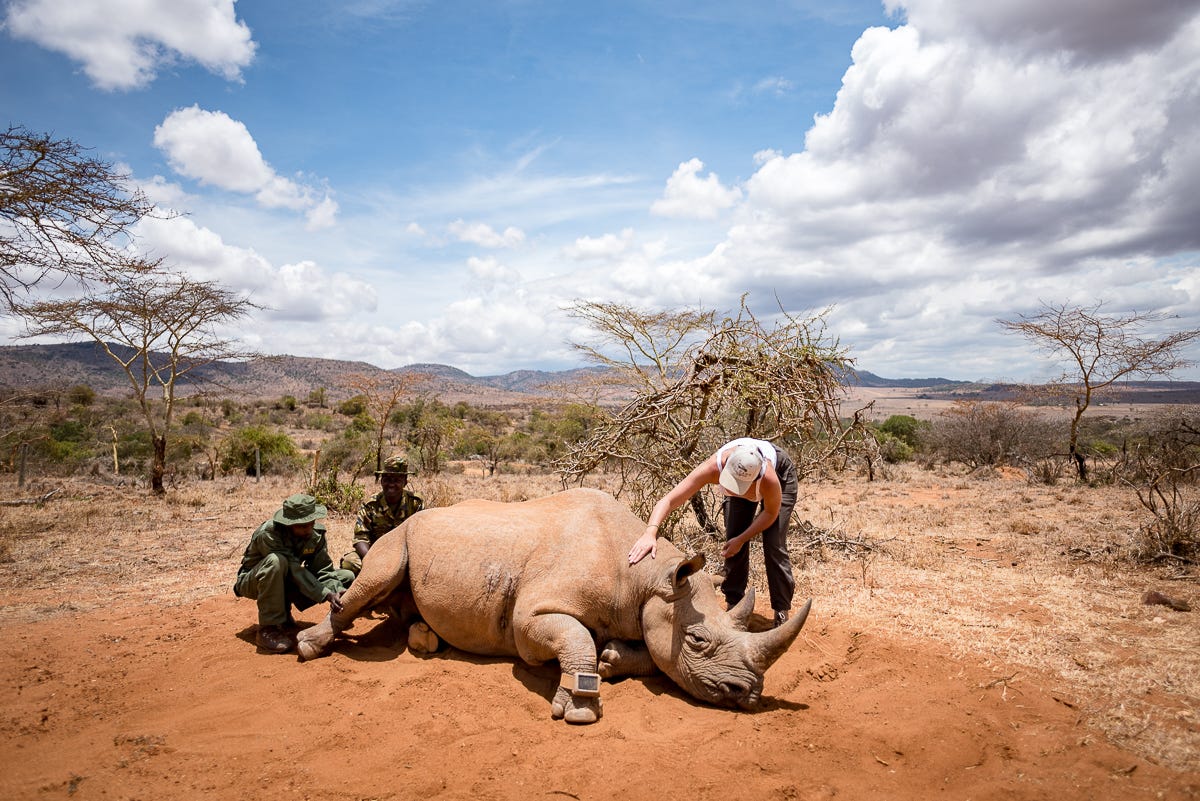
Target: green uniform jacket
310	566
376	518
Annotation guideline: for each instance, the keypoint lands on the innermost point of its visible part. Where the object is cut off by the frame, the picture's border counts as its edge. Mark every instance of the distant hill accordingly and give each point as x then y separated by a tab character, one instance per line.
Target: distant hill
69	364
864	378
65	365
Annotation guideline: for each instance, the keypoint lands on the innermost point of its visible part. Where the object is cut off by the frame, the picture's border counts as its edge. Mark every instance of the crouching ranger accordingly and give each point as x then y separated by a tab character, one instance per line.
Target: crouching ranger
287	563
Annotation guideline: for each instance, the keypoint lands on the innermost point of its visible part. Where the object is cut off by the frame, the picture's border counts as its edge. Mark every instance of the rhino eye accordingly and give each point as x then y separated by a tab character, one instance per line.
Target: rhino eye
697	638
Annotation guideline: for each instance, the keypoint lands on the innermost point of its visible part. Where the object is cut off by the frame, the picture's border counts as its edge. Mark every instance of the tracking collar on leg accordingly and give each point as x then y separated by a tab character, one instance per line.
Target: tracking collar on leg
586	685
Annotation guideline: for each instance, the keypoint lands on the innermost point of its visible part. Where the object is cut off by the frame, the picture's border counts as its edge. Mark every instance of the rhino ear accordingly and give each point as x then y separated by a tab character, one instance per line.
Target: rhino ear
685	569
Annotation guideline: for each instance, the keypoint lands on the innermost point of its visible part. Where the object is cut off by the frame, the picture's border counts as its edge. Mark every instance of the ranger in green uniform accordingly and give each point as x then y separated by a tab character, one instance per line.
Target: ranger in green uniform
391	507
287	562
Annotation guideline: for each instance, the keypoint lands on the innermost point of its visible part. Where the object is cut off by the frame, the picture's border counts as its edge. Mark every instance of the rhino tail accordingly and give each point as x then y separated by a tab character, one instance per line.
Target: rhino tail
768	646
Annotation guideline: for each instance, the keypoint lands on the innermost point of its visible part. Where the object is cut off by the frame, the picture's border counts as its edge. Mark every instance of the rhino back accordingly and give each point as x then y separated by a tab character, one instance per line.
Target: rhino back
475	565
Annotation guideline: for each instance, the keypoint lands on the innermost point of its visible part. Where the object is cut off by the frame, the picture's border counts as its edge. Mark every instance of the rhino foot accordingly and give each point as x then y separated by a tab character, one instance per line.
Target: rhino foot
620	658
575	710
421	639
314	641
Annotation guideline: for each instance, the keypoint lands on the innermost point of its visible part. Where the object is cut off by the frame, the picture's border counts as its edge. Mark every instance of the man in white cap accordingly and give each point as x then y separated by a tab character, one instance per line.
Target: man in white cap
760	487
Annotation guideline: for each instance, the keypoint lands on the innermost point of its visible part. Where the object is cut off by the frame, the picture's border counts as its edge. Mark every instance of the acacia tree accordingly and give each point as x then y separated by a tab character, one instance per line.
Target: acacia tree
381	394
699	381
63	215
161	330
1100	350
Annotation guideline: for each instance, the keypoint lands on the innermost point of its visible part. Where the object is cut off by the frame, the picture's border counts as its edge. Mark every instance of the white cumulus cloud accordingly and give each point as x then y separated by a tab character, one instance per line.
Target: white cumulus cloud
122	43
484	235
602	248
303	291
689	195
217	150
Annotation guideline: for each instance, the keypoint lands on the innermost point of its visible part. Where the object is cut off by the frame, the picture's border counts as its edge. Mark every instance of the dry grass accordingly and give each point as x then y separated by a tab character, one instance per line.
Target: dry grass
1024	578
1027	577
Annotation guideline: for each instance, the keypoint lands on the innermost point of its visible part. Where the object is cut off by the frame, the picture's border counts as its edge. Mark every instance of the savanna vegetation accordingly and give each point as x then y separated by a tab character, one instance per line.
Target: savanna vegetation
330	447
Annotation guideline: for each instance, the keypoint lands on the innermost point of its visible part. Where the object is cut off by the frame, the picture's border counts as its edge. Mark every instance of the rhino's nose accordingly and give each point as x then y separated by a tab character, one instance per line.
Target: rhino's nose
733	690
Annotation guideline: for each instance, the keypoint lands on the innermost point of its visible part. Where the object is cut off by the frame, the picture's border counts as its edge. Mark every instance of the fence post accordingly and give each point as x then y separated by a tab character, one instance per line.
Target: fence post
257	463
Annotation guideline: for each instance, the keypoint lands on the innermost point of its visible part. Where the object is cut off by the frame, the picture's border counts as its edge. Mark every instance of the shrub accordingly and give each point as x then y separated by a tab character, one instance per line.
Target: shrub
1163	470
988	433
81	394
893	449
277	454
343	496
904	428
353	407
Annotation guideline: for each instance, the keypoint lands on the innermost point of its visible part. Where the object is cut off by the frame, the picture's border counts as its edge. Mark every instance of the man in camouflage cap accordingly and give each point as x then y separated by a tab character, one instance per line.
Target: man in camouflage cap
287	562
392	506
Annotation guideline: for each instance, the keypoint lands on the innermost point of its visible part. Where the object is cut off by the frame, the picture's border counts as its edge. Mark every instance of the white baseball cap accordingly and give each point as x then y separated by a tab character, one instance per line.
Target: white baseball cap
742	468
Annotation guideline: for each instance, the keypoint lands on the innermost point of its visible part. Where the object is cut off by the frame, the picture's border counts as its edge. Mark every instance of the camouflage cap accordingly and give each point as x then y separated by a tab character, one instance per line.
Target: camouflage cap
394	466
298	509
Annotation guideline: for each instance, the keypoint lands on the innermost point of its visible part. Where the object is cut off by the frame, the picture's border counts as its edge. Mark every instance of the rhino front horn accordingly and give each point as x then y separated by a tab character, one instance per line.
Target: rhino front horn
770	645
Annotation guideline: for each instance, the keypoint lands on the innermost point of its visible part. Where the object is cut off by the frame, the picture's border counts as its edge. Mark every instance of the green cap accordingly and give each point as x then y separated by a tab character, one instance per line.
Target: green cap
299	509
394	466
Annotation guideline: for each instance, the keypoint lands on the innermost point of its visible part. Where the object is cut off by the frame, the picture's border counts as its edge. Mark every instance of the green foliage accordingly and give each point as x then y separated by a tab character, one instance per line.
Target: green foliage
904	428
318	421
893	448
287	402
341	496
82	395
431	430
68	431
278	455
350	452
900	437
363	422
353	407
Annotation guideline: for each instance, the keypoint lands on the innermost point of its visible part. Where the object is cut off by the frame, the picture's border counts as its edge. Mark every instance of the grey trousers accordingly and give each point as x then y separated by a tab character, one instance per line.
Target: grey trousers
739	513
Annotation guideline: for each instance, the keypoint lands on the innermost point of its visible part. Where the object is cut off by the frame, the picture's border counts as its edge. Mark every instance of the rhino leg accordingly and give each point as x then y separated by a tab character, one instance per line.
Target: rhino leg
621	658
540	638
382	573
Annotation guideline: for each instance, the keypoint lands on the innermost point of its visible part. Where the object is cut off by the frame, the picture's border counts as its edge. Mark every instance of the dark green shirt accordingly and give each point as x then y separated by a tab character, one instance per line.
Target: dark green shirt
376	518
311	567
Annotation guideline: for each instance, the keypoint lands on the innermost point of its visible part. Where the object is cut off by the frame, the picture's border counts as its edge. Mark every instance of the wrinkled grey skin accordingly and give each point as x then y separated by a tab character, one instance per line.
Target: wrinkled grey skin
550	579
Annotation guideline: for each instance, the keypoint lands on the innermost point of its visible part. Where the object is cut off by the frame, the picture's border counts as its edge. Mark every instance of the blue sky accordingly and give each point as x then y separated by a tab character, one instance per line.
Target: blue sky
407	182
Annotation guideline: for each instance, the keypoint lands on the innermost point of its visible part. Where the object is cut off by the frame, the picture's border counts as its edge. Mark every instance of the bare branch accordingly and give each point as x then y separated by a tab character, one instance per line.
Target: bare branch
700	381
63	215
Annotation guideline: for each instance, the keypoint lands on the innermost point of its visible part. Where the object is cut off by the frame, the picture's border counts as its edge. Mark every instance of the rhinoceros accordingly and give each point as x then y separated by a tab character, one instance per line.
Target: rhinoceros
550	579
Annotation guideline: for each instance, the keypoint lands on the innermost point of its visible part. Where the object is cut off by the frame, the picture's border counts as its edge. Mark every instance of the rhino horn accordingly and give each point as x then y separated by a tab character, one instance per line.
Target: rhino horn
770	645
740	614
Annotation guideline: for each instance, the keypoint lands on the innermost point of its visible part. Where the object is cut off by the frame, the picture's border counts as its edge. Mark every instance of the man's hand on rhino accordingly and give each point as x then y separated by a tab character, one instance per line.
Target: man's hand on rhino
335	601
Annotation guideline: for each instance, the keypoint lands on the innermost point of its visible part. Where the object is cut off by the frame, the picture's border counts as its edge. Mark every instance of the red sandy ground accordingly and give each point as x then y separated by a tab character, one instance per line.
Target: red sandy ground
129	672
175	703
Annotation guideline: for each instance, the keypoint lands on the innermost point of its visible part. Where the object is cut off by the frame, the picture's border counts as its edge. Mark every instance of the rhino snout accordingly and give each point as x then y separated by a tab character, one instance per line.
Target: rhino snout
737	693
732	688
